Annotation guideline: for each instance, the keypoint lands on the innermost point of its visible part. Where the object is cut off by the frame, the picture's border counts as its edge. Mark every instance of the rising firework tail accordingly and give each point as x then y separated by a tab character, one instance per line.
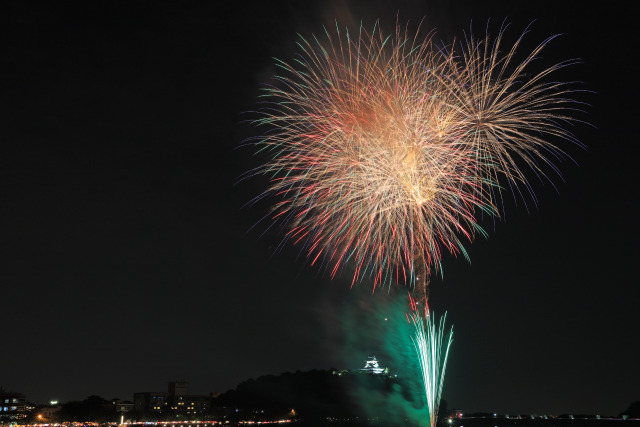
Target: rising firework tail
432	344
384	150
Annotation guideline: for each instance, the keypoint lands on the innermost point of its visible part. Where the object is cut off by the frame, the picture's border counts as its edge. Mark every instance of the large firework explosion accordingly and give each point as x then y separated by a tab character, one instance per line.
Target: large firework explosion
385	149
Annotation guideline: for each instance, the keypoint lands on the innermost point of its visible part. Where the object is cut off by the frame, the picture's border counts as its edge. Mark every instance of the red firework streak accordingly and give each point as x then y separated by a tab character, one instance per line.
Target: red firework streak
415	308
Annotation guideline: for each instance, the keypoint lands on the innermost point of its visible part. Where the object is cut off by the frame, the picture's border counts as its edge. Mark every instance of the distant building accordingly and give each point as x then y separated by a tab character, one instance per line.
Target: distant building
371	366
121	406
12	405
175	402
29	407
190	405
178	388
151	401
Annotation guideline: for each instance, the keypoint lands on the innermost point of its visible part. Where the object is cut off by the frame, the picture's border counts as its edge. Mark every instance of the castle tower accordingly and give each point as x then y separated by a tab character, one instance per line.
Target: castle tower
371	366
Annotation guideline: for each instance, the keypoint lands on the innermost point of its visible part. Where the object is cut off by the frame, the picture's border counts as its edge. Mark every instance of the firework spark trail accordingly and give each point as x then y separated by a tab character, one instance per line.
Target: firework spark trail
510	115
432	347
363	161
384	150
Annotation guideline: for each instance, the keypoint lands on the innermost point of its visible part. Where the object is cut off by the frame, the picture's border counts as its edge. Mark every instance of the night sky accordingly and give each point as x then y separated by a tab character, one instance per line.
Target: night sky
125	256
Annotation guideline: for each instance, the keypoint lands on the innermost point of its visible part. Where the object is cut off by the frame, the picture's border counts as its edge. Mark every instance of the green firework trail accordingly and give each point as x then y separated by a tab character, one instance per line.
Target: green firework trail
432	346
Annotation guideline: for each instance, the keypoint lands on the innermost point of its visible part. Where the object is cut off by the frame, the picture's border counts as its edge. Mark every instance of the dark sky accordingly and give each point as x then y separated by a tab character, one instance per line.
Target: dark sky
125	260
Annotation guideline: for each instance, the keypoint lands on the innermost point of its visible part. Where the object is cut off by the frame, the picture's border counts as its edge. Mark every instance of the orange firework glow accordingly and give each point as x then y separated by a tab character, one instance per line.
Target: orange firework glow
385	149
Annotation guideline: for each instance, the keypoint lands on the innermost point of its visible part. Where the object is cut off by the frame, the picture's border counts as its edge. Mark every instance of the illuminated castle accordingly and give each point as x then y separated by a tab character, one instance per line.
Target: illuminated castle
371	366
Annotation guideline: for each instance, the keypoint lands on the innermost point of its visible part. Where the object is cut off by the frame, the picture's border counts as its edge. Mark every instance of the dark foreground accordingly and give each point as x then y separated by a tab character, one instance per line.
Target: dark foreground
459	422
551	422
475	422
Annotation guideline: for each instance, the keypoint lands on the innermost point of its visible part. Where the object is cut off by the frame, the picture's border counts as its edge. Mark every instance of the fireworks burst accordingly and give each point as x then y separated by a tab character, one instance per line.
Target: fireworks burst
384	150
509	115
432	346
